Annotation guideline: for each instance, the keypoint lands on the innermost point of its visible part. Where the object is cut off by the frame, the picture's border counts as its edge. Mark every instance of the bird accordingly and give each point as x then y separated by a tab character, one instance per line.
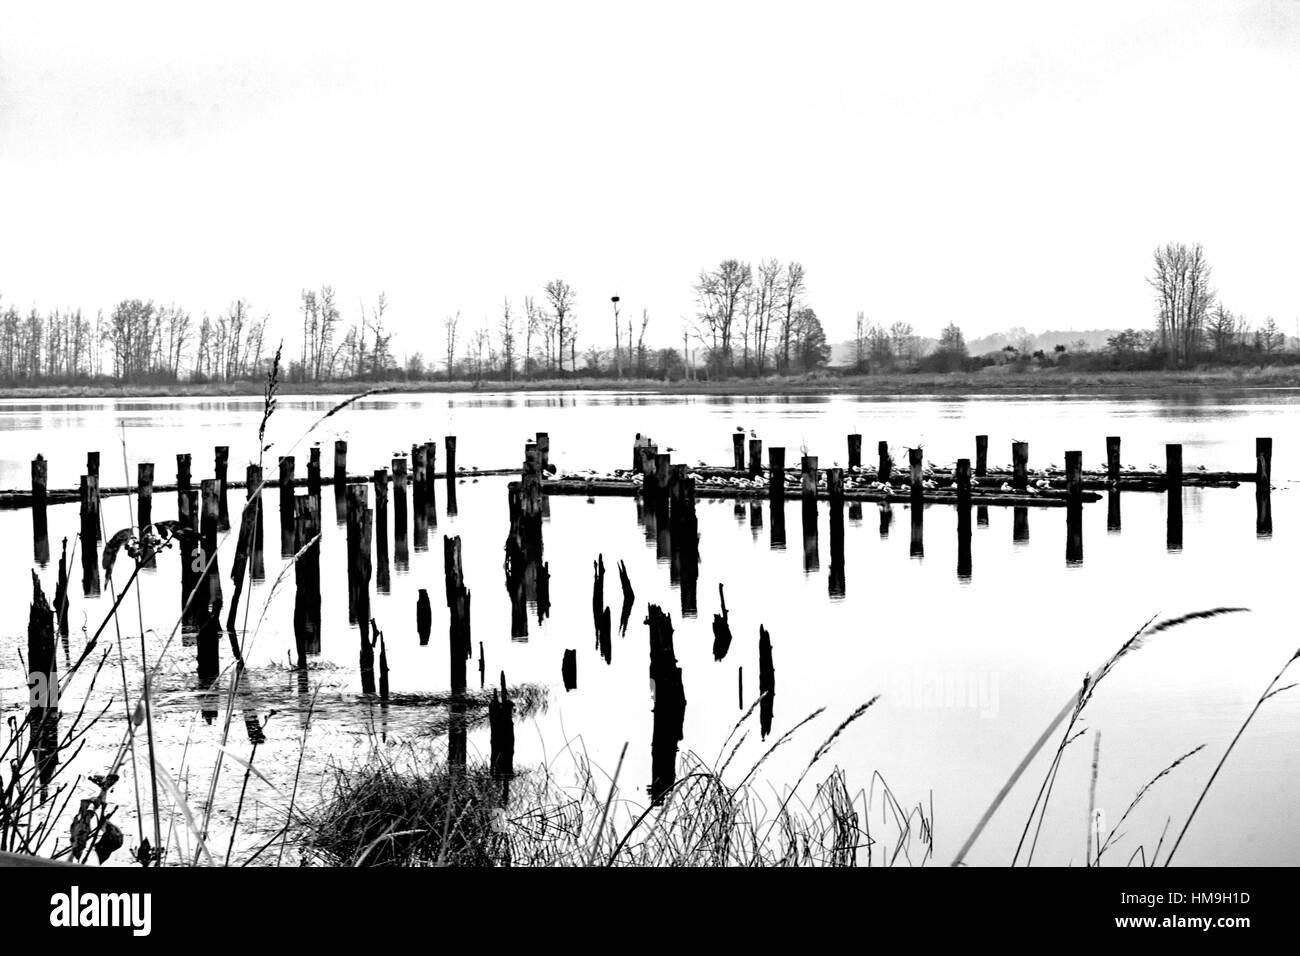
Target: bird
753	433
741	429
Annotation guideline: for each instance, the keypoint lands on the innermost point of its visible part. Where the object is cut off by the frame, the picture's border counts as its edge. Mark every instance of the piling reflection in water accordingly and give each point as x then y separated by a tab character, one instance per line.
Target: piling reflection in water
1263	511
401	552
1019	525
886	518
527	577
916	547
1073	534
776	523
1114	521
982	516
835	583
382	580
766	683
811	556
669	710
755	519
1174	520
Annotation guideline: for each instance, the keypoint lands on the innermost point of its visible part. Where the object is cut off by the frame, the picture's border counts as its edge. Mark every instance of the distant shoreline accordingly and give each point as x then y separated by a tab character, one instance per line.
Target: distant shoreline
984	382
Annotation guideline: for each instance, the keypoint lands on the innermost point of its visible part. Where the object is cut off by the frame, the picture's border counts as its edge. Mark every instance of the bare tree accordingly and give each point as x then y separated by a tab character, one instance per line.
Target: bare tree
506	330
449	324
532	328
721	295
560	295
792	290
1181	278
861	330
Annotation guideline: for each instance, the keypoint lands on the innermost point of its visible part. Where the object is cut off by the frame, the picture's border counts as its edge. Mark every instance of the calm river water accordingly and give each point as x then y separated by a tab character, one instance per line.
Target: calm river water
970	669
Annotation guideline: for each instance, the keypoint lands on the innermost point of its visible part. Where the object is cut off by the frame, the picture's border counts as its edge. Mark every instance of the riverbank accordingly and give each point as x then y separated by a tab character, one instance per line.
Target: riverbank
994	380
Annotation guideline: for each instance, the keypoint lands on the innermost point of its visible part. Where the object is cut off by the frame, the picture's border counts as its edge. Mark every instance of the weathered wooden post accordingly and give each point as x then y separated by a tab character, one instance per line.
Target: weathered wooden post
501	728
358	503
738	449
419	474
380	480
249	525
808	486
143	495
1174	468
458	607
1074	476
61	592
1020	465
963	483
721	628
663	479
306	608
776	473
1174	489
43	680
1263	461
182	481
544	450
835	486
286	505
92	473
40	517
569	669
90	584
755	457
313	471
423	616
253	493
449	449
220	467
208	525
1112	458
855	452
340	480
884	470
981	455
915	462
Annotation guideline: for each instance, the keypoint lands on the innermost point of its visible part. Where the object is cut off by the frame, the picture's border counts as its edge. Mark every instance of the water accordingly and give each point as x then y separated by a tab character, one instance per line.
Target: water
970	669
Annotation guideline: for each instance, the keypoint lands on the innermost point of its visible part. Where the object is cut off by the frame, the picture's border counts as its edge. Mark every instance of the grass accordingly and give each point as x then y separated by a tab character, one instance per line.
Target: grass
408	808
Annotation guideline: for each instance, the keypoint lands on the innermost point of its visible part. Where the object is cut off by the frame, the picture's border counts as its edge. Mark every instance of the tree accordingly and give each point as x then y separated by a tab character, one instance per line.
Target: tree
1223	328
721	295
532	329
903	343
506	330
1180	277
449	324
861	331
792	290
1270	337
560	295
811	347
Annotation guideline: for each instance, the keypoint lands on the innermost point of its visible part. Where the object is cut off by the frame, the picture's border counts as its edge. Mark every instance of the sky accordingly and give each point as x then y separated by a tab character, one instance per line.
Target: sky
990	164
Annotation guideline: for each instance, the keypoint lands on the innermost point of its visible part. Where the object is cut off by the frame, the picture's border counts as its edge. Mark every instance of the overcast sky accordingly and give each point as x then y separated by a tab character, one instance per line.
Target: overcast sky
992	164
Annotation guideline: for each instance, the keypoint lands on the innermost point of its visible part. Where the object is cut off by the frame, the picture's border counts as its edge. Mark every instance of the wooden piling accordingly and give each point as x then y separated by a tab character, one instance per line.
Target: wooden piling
313	471
835	486
209	523
721	628
738	450
306	608
501	730
1074	476
380	481
144	495
755	457
544	450
1112	458
885	467
855	452
40	517
1263	461
423	616
286	505
963	519
963	483
458	607
776	473
42	680
981	455
90	584
182	481
1174	467
1020	465
340	462
915	463
808	484
669	704
253	493
220	466
449	452
358	502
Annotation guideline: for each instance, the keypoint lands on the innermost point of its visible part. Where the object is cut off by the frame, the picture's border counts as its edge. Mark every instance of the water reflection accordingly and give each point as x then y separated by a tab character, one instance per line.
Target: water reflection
835	583
1073	534
1174	519
776	524
916	548
1019	525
